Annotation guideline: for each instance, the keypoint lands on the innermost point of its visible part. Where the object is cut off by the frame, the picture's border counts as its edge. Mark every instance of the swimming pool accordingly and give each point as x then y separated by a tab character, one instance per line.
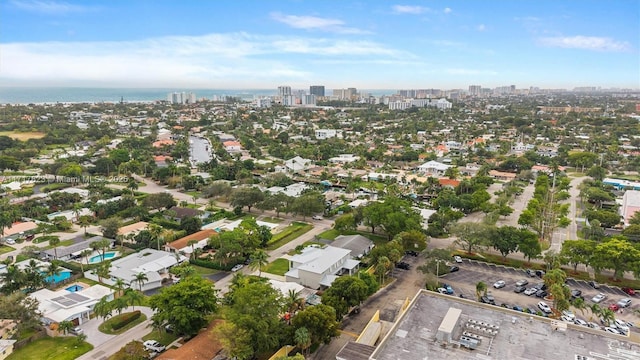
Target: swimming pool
74	288
98	258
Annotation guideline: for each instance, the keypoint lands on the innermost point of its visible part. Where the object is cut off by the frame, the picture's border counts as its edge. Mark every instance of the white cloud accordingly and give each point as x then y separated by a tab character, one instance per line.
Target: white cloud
586	42
211	59
316	23
481	27
50	7
447	10
409	9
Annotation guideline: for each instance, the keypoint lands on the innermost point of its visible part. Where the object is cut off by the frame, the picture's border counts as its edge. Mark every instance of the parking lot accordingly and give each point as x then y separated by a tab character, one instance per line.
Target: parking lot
471	272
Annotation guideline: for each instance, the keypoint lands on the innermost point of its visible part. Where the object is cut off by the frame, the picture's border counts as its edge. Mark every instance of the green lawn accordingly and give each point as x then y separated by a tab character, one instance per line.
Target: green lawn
5	249
273	220
105	327
58	348
330	234
62	243
162	337
292	231
278	267
201	270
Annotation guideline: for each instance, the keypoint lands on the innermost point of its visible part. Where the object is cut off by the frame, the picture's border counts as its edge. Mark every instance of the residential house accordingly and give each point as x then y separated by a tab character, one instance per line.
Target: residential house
318	267
501	175
154	264
358	245
433	168
41	266
177	213
19	228
537	169
297	164
232	146
6	348
344	158
73	251
64	305
322	134
293	190
630	205
162	143
133	229
182	245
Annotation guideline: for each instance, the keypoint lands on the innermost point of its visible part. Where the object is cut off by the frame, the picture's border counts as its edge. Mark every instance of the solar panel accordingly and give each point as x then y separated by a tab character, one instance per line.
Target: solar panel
77	297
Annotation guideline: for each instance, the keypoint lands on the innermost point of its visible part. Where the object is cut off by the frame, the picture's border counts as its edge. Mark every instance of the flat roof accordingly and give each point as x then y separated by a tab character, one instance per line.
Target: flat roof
450	319
517	335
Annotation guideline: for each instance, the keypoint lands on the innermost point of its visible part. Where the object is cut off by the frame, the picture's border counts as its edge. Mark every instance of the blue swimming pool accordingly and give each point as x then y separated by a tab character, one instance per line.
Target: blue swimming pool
98	258
74	288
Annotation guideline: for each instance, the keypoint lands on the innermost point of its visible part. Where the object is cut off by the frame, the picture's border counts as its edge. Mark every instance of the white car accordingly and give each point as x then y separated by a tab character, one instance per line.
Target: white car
457	258
569	314
317	217
153	345
598	298
499	284
621	325
530	291
522	283
566	319
10	241
580	322
625	302
544	307
237	267
594	325
612	330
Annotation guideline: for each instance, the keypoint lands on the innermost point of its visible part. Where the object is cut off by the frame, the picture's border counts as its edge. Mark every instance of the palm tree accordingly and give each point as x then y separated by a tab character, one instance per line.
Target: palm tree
119	285
293	301
65	326
596	310
54	242
302	337
141	278
132	185
258	259
103	270
156	231
85	255
13	279
607	316
54	269
133	297
481	289
579	304
382	266
192	243
84	221
103	308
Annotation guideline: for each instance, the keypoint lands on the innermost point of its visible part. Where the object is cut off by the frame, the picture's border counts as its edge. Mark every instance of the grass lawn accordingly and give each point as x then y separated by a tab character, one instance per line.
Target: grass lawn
330	234
23	136
201	270
162	337
270	219
105	327
5	249
293	231
277	267
58	348
62	243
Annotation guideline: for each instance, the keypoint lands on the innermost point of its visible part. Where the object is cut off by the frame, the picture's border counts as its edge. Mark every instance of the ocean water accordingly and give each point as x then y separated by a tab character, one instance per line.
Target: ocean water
52	95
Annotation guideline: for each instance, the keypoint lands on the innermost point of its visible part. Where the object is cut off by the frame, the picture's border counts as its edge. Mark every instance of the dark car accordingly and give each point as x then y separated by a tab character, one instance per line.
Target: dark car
539	273
541	293
594	284
519	289
531	273
629	291
412	253
517	308
575	293
454	269
403	265
487	300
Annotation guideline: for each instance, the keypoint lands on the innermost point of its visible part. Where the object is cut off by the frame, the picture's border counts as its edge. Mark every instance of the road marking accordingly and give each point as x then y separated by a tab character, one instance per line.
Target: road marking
349	333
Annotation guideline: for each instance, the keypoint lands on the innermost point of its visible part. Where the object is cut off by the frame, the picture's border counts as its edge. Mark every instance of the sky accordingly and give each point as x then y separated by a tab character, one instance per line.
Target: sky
253	44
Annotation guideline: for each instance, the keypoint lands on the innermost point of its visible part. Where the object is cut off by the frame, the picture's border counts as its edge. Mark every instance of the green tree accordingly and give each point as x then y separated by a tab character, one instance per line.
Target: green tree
506	240
54	242
576	252
65	326
100	246
346	222
103	308
140	278
258	259
529	245
481	289
191	224
248	197
617	255
159	201
84	221
235	340
133	298
413	240
471	236
345	292
110	227
320	321
302	338
186	305
307	204
255	313
102	270
134	350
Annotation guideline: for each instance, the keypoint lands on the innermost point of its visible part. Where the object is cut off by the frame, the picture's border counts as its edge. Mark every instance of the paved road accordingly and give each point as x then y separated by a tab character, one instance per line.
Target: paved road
107	345
571	231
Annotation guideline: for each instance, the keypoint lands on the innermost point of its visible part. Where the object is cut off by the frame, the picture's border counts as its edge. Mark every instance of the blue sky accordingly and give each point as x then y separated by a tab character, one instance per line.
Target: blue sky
368	44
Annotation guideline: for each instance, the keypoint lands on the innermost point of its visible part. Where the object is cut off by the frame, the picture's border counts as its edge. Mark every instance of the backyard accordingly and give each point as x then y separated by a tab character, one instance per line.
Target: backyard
277	267
292	231
58	348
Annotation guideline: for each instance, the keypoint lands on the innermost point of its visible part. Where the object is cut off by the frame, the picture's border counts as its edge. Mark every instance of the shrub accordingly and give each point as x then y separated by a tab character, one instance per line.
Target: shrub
125	319
213	264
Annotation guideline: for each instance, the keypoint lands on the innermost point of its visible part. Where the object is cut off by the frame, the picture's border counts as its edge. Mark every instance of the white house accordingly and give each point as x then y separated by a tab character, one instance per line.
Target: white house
316	267
344	158
293	190
76	306
297	164
433	168
322	134
153	263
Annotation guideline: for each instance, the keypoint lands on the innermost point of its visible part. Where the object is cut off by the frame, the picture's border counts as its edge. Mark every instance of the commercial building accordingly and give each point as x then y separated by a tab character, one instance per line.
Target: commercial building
284	91
630	205
317	90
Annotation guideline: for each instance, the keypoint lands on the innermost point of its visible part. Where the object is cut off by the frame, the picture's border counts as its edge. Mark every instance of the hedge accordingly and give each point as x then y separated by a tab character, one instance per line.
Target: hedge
213	264
125	319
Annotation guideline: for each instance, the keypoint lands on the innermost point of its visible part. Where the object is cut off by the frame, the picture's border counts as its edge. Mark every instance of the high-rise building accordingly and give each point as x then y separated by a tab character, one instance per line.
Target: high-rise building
317	90
475	90
284	91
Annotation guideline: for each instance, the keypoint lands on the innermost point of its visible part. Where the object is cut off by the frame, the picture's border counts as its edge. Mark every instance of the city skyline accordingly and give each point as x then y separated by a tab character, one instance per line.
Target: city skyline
259	45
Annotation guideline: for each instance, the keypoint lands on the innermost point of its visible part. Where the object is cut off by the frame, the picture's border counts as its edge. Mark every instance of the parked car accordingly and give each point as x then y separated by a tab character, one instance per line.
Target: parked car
29	237
566	319
499	284
152	345
517	308
593	325
594	284
76	331
598	298
454	269
448	288
541	293
237	267
403	265
411	253
487	300
621	325
569	314
317	217
530	291
544	307
492	300
10	242
457	258
580	322
612	330
623	303
629	291
531	273
522	283
519	289
576	294
540	273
